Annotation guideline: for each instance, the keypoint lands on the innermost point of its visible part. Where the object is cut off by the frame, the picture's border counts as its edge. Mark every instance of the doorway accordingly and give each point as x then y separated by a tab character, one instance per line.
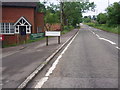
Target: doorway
22	30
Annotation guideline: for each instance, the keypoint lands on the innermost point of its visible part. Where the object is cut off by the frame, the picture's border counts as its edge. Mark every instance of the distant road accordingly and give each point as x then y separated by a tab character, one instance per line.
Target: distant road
90	61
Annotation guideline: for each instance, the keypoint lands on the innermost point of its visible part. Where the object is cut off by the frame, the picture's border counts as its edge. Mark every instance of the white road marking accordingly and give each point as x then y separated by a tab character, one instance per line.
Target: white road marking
107	41
44	79
53	66
97	35
41	82
118	48
93	32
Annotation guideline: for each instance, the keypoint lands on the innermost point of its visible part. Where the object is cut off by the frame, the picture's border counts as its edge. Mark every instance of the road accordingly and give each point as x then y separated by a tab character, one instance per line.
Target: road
18	64
90	60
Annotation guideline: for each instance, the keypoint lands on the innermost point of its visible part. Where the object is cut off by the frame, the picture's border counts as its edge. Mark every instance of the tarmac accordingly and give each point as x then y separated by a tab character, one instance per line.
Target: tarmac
12	54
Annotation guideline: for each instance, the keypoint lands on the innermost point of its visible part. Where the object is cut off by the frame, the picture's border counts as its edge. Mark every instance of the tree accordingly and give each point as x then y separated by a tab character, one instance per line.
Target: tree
102	18
113	12
87	19
72	11
51	12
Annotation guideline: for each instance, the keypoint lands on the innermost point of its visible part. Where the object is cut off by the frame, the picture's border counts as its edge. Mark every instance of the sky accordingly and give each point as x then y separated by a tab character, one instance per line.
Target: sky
101	5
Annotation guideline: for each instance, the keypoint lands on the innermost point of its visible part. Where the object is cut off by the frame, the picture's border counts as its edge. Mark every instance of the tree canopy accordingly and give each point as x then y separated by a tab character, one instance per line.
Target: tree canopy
113	13
71	12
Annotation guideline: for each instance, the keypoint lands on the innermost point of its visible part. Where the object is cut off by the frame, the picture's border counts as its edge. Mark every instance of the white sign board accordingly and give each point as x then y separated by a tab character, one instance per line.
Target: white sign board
52	33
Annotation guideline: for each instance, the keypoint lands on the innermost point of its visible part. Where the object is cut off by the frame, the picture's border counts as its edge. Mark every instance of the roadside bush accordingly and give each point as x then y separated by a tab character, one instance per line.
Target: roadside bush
67	29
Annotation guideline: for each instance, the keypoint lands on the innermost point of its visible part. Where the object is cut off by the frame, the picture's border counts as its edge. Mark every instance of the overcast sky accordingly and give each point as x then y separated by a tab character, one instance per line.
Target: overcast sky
101	5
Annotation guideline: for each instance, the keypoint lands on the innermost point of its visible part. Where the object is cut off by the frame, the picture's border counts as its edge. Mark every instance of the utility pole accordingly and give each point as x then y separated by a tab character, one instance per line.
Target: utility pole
61	14
108	2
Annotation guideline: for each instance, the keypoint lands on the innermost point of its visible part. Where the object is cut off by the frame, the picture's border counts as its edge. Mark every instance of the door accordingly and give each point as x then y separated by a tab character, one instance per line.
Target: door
22	37
22	30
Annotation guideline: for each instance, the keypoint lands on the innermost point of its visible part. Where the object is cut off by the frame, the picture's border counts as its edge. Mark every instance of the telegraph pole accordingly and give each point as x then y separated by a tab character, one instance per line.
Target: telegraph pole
61	14
108	2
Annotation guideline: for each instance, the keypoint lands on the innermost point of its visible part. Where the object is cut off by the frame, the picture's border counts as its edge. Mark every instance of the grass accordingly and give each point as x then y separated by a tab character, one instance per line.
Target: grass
105	27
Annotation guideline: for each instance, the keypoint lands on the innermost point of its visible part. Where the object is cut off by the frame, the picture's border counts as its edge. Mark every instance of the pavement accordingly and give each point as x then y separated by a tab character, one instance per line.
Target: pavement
20	61
90	60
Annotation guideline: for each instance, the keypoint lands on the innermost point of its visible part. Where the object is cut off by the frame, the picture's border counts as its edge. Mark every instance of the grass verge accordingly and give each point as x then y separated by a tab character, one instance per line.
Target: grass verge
105	27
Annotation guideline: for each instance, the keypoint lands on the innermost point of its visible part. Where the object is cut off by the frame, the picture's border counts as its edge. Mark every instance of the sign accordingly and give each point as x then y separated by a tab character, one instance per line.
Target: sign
52	33
36	35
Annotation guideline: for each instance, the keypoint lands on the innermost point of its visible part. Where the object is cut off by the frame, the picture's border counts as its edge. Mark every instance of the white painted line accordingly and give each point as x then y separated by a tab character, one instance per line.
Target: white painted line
97	35
93	32
32	75
118	48
53	66
107	41
41	82
44	79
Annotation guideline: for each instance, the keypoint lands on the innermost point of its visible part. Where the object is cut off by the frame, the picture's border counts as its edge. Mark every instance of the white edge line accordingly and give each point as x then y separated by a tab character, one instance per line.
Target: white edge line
41	82
24	83
118	48
44	79
107	41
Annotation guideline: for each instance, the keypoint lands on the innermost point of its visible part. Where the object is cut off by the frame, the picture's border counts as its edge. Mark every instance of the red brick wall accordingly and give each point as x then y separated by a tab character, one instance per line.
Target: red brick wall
39	21
12	14
9	39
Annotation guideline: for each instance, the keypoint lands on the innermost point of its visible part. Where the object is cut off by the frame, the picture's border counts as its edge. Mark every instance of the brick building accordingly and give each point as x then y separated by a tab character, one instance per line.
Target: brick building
19	20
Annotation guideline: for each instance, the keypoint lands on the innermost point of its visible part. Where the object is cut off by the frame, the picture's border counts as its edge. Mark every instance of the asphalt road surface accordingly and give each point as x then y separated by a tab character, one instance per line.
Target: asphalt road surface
89	61
18	64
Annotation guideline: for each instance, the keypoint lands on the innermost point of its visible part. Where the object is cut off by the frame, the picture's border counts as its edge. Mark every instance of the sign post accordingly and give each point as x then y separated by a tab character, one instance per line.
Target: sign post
52	33
58	39
46	40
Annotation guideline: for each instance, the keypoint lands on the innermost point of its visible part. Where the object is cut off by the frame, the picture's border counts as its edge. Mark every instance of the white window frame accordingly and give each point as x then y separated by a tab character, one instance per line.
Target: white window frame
4	29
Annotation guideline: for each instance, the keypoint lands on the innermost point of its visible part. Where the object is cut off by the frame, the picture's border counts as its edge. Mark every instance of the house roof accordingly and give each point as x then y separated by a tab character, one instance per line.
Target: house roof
19	4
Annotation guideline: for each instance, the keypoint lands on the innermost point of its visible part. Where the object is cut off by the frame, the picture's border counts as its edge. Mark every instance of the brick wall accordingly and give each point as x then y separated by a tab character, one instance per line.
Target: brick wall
39	21
12	14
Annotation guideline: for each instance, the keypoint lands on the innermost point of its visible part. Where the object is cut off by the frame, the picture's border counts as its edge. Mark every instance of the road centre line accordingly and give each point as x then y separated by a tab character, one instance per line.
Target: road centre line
50	71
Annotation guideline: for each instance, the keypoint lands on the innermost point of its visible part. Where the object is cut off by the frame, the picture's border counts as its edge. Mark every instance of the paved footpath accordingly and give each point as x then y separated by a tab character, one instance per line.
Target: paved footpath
20	61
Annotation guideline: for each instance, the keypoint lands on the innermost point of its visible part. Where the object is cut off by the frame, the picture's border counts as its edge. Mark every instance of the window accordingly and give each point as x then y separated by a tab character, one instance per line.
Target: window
11	28
7	28
39	29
